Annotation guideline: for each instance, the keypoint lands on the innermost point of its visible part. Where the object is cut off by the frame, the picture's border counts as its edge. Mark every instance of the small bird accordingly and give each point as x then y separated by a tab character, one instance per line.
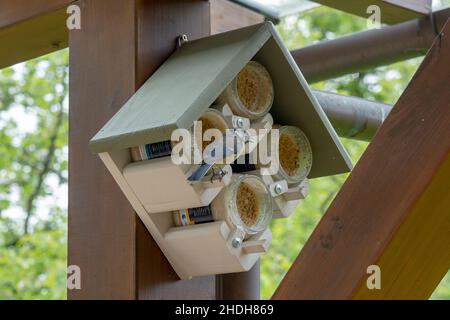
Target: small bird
222	151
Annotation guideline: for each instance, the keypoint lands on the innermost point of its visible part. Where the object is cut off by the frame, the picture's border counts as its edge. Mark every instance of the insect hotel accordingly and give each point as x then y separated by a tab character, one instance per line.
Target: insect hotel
210	219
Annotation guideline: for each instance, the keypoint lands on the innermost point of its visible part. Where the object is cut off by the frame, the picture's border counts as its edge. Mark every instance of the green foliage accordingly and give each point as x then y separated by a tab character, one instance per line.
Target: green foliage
35	267
33	163
442	292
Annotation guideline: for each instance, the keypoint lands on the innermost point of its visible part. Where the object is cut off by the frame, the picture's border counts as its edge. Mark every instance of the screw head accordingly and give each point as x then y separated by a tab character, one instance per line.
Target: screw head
240	122
278	189
236	243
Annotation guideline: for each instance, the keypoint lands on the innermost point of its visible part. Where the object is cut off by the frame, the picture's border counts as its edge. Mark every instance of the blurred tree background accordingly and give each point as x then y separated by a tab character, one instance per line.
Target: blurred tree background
34	159
33	178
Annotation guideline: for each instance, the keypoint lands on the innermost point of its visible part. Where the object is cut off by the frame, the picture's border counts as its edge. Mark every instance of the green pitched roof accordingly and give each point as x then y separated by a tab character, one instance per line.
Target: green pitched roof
194	76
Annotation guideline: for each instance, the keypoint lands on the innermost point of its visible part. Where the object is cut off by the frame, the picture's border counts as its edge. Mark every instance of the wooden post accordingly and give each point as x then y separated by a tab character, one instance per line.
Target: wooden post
227	16
120	44
393	211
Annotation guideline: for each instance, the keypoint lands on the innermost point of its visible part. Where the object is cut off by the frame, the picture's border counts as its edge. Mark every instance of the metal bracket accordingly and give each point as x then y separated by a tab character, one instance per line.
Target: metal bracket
235	239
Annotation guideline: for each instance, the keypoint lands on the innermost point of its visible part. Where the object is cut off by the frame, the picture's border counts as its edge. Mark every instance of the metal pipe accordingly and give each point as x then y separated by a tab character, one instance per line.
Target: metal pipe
370	49
352	117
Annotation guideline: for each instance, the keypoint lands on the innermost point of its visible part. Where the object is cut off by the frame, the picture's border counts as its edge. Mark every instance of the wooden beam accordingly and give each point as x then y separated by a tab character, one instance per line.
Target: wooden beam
121	43
393	209
31	28
392	11
15	11
415	261
226	16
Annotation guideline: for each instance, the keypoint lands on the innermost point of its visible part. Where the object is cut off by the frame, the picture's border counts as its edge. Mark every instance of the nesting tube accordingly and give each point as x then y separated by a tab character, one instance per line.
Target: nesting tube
152	151
244	203
186	217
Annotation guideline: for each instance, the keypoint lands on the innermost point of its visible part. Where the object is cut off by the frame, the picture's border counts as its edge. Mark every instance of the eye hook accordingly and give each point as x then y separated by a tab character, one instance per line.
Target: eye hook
181	40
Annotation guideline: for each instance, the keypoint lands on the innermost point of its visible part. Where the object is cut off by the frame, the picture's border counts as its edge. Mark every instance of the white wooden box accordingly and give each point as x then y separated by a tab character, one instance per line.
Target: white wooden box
197	250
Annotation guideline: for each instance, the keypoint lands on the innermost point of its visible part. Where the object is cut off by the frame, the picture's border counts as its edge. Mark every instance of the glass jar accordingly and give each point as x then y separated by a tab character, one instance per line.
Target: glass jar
210	119
251	92
294	155
245	203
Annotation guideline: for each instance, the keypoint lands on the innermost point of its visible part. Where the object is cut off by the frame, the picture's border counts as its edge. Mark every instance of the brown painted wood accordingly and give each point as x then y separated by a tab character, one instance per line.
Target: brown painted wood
156	39
240	286
120	44
416	259
392	11
31	28
226	16
376	209
15	11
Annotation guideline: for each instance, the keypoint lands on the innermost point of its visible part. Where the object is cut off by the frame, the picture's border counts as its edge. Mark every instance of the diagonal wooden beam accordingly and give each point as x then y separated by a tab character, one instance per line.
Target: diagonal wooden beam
31	28
392	11
393	211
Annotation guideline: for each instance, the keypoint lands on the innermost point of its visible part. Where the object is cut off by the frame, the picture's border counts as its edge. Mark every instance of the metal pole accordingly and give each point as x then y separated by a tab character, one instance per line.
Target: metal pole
369	49
352	117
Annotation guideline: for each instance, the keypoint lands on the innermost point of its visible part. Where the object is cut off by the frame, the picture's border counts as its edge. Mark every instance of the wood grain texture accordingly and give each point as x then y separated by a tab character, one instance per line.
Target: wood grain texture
379	216
121	43
29	29
226	16
101	222
159	23
392	11
419	255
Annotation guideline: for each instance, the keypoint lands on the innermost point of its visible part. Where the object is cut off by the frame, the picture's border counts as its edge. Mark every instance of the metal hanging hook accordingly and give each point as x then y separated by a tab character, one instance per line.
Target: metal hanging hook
182	39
